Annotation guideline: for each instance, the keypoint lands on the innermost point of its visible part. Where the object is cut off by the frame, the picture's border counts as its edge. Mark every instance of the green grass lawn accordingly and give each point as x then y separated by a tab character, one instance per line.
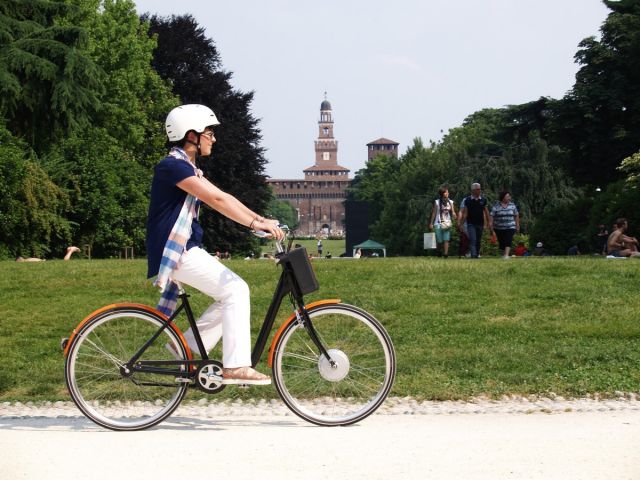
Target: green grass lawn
461	328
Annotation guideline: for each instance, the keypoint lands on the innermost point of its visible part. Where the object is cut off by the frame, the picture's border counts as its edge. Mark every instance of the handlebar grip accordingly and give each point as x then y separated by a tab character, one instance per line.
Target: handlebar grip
263	234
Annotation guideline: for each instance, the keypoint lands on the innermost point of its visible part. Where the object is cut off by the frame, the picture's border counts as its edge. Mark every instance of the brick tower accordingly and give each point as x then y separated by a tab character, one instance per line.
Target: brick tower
319	197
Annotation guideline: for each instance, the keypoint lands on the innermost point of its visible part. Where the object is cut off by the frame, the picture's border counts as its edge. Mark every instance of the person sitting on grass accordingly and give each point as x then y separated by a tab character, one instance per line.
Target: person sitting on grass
621	245
540	251
70	251
520	250
573	250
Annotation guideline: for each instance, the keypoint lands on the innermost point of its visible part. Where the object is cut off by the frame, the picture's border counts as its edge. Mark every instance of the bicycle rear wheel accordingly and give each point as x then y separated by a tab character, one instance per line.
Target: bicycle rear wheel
347	392
95	379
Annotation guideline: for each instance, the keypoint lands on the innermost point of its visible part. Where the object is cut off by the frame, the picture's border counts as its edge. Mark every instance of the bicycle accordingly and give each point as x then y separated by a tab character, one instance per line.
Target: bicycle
128	366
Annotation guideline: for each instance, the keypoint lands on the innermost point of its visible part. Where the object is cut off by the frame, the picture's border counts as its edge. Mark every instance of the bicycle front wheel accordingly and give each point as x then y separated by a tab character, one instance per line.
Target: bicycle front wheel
95	377
348	390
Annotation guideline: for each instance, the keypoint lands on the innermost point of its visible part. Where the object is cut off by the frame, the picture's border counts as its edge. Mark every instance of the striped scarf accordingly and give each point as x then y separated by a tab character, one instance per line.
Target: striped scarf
175	246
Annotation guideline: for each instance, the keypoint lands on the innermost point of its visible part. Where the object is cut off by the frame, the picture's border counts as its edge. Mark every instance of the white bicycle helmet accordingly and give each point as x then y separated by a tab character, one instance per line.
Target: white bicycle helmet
189	117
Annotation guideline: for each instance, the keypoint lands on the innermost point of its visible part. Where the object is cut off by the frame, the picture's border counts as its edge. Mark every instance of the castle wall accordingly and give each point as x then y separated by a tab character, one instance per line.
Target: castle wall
319	203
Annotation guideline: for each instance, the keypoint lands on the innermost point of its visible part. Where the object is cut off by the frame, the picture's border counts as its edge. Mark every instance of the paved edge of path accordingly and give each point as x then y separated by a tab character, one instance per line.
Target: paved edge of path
552	404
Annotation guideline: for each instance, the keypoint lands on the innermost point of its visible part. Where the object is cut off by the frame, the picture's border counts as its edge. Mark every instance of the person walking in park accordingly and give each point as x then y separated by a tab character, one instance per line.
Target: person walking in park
506	222
442	215
620	244
474	217
174	242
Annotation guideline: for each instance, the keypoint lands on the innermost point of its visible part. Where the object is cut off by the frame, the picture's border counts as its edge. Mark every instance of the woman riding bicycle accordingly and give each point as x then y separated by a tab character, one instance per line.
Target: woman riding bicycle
174	243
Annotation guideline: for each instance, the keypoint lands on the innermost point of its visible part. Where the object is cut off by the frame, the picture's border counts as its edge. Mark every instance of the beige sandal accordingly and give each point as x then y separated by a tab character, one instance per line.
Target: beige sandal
244	376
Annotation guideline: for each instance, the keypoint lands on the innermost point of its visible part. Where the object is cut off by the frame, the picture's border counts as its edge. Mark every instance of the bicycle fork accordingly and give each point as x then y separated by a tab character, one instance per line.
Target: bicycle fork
302	316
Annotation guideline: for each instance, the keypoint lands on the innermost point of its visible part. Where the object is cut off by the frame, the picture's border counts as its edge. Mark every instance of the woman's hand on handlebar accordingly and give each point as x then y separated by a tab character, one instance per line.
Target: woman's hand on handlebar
269	226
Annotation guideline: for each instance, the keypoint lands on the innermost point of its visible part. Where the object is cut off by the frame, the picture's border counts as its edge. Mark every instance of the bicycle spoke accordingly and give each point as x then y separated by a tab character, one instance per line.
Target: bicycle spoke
117	362
326	394
93	371
363	373
301	357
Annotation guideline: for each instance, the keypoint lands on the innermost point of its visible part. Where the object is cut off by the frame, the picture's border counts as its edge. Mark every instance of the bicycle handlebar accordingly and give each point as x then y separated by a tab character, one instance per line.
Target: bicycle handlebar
279	246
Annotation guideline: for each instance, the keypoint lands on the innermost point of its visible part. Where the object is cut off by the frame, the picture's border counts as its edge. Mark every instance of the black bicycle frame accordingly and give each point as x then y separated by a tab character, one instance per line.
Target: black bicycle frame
287	284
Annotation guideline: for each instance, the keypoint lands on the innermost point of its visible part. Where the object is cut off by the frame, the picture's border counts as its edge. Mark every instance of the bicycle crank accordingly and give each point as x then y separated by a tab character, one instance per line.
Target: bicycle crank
209	377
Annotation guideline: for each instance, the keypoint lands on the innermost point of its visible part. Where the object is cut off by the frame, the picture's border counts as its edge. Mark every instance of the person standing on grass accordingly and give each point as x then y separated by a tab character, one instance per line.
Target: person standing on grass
442	215
506	222
319	247
174	242
474	217
621	245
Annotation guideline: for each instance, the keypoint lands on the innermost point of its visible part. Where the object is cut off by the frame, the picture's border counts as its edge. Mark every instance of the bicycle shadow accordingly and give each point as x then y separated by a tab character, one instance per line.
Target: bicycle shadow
177	423
223	423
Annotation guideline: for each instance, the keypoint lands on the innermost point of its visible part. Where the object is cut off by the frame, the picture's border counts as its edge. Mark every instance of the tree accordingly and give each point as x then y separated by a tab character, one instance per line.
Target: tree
109	191
500	148
33	208
48	85
631	167
599	119
191	62
106	166
136	99
562	226
284	212
370	183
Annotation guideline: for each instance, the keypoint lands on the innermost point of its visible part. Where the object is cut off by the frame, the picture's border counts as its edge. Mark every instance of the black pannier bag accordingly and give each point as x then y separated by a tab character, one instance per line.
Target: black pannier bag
298	261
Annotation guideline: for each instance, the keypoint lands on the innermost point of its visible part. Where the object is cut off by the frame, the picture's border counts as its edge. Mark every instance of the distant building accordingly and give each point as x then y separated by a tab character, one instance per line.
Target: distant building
382	146
318	197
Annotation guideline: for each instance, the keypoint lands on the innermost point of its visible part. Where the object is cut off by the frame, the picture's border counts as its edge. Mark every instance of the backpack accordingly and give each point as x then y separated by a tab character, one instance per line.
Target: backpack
445	223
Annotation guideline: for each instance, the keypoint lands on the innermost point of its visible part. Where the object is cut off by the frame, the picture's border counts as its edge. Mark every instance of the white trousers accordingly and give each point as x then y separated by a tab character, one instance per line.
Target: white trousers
228	317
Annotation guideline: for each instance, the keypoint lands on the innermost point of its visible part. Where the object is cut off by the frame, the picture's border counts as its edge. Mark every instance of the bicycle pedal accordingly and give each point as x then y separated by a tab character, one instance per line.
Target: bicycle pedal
183	380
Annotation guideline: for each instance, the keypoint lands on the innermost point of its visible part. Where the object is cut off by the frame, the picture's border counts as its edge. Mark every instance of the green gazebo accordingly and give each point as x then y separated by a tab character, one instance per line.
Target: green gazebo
370	245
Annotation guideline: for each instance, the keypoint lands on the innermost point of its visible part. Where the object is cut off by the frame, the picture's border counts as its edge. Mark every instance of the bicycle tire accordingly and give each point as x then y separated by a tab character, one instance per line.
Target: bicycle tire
344	395
94	380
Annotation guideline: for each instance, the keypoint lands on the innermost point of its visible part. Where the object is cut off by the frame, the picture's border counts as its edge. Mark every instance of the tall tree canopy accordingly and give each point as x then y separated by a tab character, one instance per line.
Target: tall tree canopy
48	83
599	119
81	97
107	165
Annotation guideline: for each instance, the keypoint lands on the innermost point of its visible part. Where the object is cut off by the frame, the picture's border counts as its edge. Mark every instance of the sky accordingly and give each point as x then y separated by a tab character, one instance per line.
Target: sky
399	70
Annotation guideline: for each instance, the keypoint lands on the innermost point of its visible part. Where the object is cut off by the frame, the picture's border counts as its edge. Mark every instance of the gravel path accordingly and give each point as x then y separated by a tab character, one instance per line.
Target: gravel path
552	404
513	438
